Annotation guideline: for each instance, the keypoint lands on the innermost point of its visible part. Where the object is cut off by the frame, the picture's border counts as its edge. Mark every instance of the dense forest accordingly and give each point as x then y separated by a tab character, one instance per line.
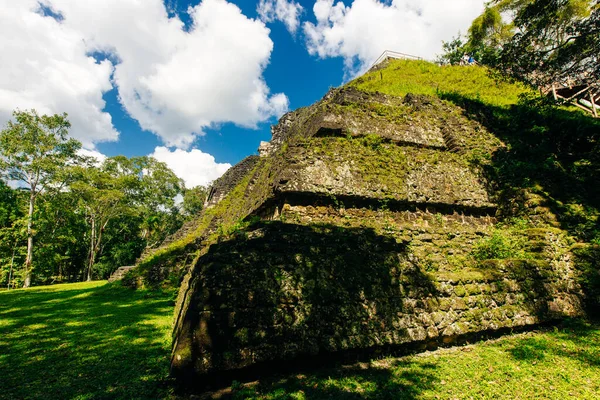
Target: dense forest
65	217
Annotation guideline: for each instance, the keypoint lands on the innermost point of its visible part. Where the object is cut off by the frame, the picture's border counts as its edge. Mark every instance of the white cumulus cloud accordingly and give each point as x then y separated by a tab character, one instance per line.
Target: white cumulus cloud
93	154
361	31
285	11
44	66
174	80
194	167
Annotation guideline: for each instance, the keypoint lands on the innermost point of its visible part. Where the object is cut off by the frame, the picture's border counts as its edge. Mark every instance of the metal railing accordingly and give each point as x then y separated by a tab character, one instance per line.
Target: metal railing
394	54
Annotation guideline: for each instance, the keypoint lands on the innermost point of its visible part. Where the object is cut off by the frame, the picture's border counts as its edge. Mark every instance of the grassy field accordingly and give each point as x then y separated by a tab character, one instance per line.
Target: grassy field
102	341
560	363
84	341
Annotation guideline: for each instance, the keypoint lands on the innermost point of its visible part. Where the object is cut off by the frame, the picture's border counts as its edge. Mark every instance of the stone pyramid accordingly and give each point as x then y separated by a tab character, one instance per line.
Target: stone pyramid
354	230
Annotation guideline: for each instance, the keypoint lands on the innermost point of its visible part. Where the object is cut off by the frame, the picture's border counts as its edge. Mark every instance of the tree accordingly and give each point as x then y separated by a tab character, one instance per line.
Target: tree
491	30
556	41
152	188
34	150
9	205
139	187
11	233
60	251
102	197
453	51
193	200
521	37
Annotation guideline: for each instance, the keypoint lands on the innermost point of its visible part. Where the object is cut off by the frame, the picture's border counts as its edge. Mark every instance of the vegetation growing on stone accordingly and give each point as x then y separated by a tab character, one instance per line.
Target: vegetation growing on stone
428	174
402	77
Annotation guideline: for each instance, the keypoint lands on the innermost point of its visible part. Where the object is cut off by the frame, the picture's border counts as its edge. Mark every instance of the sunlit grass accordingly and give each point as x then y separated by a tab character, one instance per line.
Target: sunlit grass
101	341
421	77
84	341
562	363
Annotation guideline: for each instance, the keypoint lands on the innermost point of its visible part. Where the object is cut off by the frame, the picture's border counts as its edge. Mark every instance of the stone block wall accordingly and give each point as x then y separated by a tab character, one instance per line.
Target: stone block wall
353	167
225	184
282	290
376	206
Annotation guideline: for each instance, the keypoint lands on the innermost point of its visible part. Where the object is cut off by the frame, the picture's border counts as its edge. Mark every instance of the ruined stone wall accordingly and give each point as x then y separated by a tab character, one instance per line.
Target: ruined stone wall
354	167
281	290
371	211
225	184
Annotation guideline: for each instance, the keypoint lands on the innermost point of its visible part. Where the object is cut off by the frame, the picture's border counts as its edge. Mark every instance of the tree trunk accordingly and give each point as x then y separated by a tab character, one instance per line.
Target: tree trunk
92	250
95	245
29	258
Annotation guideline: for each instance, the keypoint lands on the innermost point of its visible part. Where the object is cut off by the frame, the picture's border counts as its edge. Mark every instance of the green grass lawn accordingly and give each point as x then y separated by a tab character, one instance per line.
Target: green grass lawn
101	341
560	363
84	341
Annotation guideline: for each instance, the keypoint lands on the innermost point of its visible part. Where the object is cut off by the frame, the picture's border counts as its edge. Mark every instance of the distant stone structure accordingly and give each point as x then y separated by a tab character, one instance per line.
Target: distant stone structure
222	186
120	273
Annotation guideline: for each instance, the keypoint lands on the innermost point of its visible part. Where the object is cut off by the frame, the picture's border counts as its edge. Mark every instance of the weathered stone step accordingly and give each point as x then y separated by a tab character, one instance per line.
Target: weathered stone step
120	273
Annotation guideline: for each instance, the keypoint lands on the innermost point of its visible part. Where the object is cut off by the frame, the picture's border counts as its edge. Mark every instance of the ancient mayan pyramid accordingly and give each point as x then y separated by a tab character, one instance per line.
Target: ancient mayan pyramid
353	230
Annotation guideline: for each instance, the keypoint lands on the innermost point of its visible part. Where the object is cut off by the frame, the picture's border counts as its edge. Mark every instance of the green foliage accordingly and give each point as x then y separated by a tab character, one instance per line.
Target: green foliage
557	41
60	233
453	51
504	242
34	150
130	280
372	141
72	206
124	190
9	206
237	228
536	41
193	200
488	32
588	263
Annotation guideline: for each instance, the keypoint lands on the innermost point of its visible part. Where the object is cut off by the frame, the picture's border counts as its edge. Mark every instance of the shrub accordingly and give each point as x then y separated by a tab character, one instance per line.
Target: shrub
503	244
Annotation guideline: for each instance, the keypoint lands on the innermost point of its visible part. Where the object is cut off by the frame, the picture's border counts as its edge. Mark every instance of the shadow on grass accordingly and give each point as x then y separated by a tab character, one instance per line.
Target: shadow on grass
349	382
575	339
84	341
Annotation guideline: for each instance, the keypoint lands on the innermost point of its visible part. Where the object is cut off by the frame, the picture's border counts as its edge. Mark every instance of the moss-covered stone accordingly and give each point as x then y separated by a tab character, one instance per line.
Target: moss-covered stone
369	220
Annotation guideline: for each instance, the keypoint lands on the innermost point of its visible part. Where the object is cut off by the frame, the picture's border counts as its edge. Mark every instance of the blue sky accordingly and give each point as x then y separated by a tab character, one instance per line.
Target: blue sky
291	70
197	84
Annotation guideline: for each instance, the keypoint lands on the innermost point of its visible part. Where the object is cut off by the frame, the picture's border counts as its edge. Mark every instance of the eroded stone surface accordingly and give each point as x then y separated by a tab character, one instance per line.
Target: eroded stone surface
300	289
375	205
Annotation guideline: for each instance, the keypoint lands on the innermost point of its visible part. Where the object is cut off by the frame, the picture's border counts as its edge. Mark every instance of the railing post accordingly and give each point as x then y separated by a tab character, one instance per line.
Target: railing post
593	103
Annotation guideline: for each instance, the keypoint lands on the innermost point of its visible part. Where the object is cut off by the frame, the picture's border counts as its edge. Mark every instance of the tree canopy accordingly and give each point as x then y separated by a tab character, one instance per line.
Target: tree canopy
33	151
86	218
556	41
539	42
